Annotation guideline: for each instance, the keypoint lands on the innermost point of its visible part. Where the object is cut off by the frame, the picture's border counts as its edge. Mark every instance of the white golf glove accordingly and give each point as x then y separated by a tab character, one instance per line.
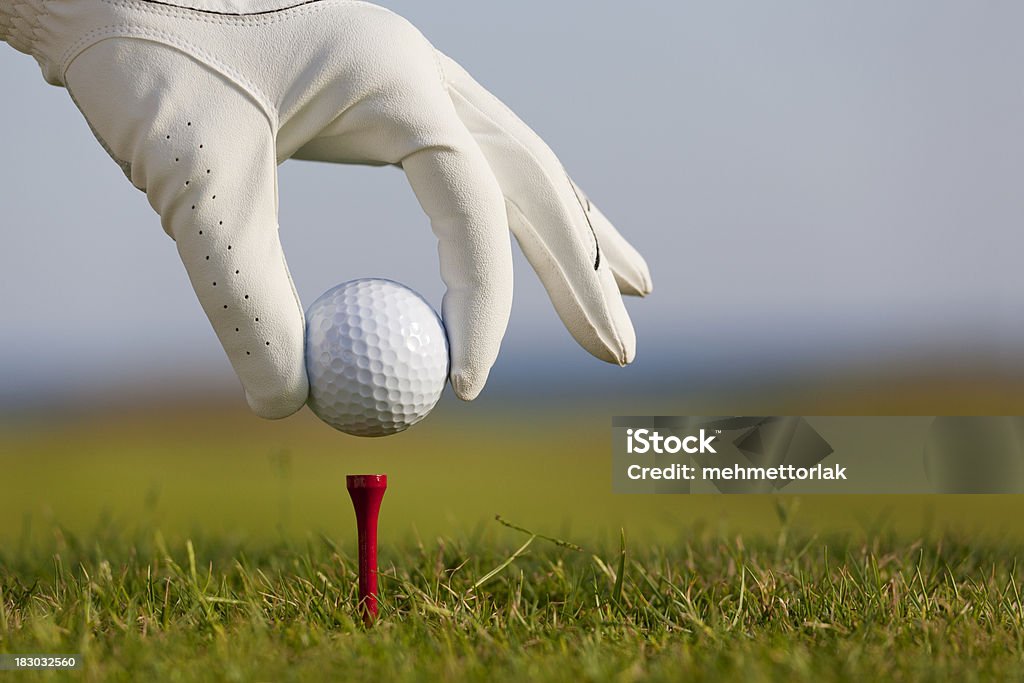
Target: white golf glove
200	100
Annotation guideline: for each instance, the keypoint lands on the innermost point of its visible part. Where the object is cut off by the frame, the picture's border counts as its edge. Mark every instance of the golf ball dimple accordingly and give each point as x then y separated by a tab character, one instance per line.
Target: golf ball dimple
376	356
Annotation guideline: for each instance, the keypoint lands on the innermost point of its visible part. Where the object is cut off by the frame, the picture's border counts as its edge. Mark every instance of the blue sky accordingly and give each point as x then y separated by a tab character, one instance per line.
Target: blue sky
812	183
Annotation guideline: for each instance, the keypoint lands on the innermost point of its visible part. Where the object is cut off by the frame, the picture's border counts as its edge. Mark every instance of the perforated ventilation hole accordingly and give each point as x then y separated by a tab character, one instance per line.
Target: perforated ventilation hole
220	223
213	197
193	207
177	159
257	319
247	296
190	123
187	183
207	258
236	272
225	307
200	232
200	146
247	353
229	247
214	284
207	171
237	330
268	343
168	137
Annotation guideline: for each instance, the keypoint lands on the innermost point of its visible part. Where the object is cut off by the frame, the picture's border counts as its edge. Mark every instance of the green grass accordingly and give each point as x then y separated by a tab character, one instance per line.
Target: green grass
98	515
503	605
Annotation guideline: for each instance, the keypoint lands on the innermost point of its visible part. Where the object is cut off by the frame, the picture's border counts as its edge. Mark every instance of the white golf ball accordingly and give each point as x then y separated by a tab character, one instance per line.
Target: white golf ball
376	356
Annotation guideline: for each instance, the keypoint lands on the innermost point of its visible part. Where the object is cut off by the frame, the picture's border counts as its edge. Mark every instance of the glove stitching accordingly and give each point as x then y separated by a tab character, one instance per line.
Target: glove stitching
557	268
171	11
441	75
529	153
586	212
298	3
173	41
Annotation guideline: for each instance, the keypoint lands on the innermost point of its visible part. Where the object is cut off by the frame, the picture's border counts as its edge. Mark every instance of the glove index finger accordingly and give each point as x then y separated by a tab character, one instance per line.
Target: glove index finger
630	269
457	190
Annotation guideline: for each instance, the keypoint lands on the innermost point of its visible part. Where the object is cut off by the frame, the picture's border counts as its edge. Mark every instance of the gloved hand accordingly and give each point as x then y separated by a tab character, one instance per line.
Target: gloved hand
200	100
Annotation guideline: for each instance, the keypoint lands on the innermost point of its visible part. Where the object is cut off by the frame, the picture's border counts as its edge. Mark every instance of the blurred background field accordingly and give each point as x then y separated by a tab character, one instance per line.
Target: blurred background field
204	466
